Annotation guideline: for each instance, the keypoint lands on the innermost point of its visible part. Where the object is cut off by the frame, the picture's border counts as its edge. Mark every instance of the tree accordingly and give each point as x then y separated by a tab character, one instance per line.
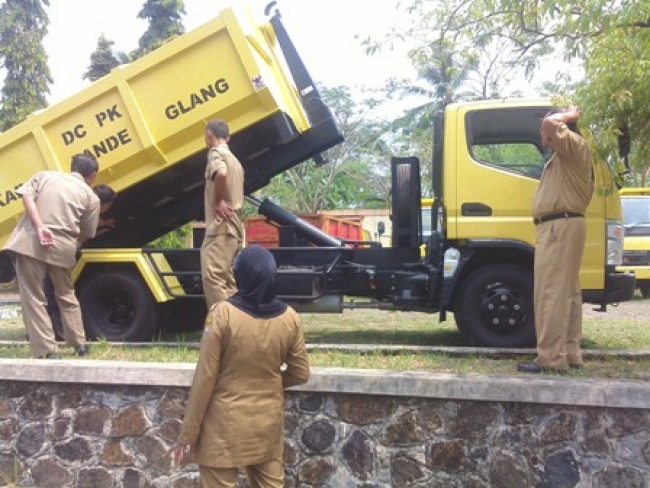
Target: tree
612	36
616	93
164	18
356	174
102	60
23	25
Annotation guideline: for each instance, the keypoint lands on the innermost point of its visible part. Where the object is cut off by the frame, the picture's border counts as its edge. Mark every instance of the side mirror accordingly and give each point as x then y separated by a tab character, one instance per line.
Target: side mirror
381	228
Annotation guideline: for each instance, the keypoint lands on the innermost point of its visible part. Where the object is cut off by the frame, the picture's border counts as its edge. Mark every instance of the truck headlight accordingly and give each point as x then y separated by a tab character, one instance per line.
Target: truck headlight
615	235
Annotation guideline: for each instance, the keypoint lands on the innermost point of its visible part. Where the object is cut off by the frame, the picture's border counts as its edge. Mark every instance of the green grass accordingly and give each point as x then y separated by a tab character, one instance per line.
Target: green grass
622	328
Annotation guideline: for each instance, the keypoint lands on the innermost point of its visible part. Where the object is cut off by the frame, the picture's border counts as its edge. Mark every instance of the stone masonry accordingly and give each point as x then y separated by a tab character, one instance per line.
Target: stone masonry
113	430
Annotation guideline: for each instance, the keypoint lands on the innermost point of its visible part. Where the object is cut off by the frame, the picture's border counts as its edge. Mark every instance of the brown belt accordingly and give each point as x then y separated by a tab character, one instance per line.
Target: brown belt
556	216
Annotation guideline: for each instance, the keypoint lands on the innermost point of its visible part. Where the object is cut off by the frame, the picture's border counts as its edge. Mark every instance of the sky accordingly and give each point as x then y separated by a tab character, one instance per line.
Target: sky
327	35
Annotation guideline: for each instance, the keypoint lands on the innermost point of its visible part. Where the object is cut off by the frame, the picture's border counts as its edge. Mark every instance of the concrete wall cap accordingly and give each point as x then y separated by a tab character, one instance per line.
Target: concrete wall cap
555	390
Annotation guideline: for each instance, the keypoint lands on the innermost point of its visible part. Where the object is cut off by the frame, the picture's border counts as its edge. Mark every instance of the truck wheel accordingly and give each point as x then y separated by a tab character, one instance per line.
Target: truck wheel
118	307
645	290
494	307
7	272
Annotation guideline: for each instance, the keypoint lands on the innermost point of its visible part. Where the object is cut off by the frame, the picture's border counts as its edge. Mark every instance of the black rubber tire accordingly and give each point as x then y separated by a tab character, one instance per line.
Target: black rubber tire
645	290
494	307
118	306
7	272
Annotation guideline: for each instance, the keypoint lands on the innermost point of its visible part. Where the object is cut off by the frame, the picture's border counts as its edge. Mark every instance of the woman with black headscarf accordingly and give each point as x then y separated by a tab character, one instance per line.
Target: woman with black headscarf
235	411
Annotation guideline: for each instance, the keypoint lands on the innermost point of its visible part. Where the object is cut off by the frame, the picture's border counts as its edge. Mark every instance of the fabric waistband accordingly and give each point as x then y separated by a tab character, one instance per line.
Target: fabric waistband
556	216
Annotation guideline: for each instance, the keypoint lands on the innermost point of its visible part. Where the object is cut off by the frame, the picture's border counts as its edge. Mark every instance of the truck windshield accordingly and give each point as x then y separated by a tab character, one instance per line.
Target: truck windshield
636	211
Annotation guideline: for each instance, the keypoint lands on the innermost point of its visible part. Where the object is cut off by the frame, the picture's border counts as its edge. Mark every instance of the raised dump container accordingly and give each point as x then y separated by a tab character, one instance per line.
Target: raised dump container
145	122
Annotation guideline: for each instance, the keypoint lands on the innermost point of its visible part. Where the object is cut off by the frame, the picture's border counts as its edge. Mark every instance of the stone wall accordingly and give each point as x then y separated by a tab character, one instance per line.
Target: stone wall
97	424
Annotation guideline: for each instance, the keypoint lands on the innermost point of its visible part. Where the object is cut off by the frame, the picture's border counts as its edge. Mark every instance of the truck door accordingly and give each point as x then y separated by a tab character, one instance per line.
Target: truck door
497	168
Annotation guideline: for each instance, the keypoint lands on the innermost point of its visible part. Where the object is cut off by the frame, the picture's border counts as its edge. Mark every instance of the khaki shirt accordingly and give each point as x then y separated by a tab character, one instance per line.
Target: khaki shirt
67	206
567	182
221	157
235	410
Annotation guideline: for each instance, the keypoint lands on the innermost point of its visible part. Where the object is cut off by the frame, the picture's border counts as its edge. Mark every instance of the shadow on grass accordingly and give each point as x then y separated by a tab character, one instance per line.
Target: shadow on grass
399	337
367	336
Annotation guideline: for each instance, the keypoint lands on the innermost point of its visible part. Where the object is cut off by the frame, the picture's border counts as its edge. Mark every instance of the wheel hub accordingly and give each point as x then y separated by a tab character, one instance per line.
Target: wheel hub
503	309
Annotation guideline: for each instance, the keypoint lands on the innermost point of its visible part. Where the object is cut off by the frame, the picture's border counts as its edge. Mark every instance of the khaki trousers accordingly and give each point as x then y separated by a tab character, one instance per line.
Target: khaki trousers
217	256
269	474
558	297
31	277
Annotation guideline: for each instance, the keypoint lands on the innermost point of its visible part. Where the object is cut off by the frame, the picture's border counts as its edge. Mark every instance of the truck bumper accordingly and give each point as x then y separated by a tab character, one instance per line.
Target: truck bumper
619	287
642	273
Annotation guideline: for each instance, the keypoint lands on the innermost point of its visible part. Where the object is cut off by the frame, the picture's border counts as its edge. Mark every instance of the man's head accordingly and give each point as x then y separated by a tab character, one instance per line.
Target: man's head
216	132
106	197
86	165
556	116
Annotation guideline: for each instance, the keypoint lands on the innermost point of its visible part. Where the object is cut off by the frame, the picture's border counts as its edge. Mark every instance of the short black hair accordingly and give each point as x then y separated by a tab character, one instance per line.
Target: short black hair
105	194
219	128
85	164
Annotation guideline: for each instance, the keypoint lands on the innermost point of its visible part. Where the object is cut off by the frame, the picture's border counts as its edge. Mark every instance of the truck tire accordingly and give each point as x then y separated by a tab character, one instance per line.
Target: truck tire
7	272
118	307
494	307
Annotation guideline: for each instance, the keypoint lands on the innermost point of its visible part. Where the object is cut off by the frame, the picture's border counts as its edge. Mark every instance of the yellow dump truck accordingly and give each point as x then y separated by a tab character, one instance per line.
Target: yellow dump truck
636	245
145	122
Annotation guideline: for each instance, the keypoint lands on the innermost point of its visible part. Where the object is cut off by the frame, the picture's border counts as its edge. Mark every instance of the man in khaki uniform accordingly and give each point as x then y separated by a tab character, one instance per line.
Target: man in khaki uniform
224	197
559	207
235	411
59	208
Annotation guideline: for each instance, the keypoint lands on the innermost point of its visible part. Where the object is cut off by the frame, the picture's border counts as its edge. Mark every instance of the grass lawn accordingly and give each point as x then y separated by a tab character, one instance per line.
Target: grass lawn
622	328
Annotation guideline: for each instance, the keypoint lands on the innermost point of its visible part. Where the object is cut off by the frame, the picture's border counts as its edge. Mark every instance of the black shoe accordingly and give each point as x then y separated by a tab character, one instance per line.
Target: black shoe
82	351
534	368
529	367
50	355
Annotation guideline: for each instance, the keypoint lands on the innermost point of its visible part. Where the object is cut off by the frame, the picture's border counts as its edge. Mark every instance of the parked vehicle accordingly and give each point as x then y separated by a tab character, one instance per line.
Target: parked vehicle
636	245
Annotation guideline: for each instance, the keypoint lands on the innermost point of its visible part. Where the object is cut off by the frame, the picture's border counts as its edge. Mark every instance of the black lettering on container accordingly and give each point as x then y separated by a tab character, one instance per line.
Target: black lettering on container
195	99
111	143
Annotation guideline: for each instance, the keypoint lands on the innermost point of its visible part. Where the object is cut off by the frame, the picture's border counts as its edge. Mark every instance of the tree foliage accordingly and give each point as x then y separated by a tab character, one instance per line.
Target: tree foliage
165	22
102	60
357	172
23	25
616	93
609	39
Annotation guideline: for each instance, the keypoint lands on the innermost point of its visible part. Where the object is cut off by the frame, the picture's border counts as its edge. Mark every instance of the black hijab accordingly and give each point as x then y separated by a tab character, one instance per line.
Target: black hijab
255	274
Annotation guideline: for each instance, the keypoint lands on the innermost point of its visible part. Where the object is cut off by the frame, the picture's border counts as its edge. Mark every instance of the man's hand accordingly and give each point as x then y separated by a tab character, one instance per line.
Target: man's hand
181	453
45	236
572	114
222	210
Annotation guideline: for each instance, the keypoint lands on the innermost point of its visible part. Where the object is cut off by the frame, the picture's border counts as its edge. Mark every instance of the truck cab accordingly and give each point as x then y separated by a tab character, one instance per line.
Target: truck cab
486	170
